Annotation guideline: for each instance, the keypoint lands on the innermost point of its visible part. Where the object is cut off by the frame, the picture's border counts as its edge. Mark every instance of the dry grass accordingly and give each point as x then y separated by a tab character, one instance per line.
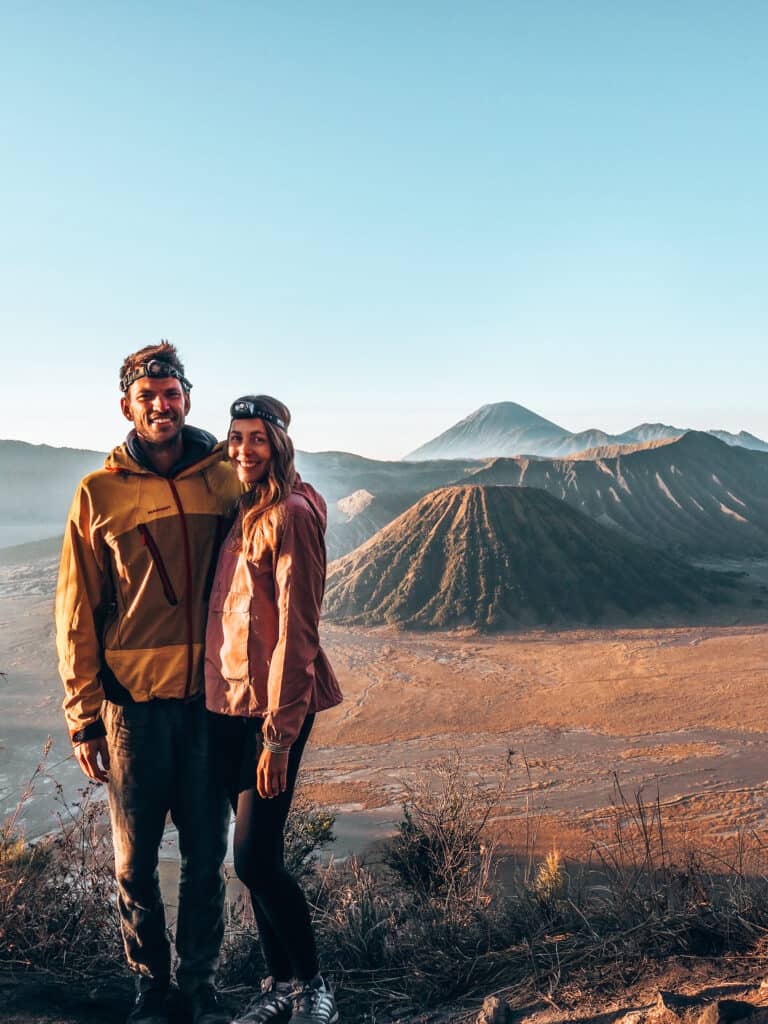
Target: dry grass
429	924
432	925
57	909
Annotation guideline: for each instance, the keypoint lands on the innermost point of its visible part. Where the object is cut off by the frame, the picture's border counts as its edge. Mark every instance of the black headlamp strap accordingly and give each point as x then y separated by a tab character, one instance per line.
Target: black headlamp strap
245	409
153	368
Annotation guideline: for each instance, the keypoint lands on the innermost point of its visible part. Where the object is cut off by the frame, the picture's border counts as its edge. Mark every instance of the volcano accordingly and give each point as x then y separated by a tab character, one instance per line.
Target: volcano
501	557
503	428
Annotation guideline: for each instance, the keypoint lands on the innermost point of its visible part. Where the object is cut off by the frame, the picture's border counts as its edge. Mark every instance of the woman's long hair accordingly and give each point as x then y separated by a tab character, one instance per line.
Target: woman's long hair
261	507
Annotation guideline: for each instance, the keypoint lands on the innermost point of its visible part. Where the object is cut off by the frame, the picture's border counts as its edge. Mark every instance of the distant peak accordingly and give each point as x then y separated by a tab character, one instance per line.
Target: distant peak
498	428
511	411
652	426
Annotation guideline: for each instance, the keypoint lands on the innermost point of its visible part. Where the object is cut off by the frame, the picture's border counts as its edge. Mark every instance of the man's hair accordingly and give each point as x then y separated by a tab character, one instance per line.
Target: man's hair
163	350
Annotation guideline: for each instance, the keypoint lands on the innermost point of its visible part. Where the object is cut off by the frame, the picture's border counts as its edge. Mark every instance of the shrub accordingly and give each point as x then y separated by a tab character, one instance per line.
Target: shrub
57	906
309	829
550	881
441	852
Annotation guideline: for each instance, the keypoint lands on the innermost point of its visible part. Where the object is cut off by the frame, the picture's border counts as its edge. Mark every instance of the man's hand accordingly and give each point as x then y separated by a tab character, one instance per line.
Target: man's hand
271	774
93	758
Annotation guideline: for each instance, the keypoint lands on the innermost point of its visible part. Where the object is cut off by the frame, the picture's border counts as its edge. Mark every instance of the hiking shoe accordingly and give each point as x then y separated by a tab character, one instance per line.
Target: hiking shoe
150	1007
205	1006
272	1005
313	1003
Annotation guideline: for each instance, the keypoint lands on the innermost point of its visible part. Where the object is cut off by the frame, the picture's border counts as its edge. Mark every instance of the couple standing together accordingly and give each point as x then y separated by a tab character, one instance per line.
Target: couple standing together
192	684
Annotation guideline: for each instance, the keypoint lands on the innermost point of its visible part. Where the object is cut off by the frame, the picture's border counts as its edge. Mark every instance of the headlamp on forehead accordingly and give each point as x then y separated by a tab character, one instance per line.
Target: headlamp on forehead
153	368
245	409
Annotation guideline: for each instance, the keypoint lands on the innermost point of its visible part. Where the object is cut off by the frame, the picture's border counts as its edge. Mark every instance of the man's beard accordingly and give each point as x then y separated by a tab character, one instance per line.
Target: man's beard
161	446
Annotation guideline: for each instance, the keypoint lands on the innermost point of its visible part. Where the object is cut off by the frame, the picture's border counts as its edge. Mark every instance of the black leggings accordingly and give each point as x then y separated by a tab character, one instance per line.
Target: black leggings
281	911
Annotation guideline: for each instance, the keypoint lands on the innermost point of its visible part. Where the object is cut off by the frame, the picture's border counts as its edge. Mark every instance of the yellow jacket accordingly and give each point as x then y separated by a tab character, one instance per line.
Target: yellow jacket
136	567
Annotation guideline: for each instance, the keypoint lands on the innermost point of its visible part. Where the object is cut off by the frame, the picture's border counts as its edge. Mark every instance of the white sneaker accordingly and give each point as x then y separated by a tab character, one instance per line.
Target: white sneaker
313	1003
272	1005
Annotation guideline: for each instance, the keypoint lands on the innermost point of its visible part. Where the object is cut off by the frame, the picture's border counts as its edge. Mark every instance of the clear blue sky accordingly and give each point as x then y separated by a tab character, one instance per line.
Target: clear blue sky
386	214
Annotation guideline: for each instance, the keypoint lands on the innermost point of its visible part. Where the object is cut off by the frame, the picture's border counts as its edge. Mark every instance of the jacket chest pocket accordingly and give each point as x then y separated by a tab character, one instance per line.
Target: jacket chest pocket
150	544
232	611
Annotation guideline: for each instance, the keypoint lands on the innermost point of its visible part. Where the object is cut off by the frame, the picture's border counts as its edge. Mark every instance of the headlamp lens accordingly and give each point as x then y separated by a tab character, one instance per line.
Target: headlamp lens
157	368
243	408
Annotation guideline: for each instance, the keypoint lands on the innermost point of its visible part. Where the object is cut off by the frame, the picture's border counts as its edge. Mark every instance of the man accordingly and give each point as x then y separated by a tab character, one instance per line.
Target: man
138	556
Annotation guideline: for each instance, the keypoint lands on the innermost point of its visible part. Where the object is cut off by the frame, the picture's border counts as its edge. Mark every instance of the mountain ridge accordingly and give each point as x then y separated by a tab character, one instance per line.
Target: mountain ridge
509	429
694	494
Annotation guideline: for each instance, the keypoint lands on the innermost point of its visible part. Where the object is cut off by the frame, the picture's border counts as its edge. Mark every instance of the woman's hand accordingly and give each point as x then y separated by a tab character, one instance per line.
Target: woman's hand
271	774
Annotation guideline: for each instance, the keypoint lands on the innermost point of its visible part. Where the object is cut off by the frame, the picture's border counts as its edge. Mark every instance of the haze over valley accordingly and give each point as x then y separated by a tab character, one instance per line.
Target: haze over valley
666	485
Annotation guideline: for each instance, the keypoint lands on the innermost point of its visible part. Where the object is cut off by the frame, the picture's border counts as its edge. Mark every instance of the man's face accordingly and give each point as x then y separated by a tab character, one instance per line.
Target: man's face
157	407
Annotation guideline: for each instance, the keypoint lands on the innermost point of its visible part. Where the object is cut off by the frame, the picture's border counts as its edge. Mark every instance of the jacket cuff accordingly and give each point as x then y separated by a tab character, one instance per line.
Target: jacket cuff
92	731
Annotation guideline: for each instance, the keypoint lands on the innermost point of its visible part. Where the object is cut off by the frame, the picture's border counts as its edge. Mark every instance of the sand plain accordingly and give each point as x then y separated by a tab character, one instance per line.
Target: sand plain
682	711
681	708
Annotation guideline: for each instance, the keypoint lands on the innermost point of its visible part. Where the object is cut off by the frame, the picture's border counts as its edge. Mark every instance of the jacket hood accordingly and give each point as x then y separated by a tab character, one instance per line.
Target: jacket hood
130	458
315	501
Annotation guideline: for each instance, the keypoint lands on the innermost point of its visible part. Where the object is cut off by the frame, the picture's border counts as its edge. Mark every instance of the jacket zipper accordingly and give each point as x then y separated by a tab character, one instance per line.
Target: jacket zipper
157	558
188	584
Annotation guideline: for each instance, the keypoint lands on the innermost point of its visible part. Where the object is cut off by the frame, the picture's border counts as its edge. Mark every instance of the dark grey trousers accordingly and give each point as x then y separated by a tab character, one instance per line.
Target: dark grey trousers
159	765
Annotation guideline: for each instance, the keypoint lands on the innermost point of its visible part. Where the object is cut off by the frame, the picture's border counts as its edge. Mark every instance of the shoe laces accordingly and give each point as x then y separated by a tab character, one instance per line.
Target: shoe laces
305	1000
269	985
269	999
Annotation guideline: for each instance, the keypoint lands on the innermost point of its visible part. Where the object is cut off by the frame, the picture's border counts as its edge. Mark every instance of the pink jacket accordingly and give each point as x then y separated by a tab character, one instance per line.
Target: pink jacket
262	652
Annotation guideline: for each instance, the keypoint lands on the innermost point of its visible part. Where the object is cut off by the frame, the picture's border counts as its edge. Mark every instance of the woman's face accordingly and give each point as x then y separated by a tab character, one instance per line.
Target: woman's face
249	450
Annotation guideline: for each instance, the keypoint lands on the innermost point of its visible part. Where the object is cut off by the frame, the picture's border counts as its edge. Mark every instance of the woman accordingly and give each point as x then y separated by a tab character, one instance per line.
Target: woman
266	676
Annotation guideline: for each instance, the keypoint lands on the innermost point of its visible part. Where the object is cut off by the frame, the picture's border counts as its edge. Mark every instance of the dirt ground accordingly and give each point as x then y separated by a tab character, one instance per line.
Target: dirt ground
676	993
682	711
